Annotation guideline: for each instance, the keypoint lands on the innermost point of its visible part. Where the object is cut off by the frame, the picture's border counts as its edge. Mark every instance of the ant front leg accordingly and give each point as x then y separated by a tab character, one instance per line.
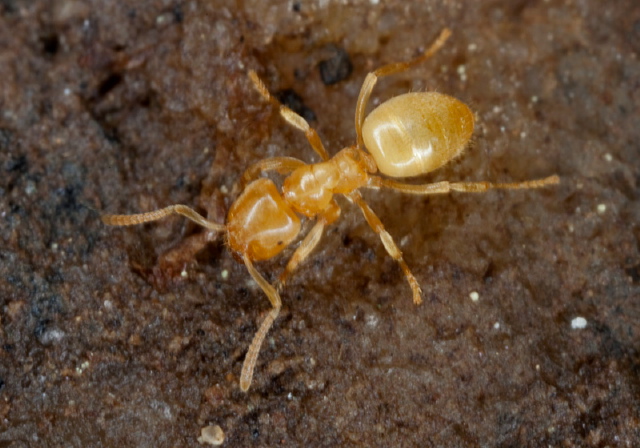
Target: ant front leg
309	243
283	165
391	247
291	117
390	69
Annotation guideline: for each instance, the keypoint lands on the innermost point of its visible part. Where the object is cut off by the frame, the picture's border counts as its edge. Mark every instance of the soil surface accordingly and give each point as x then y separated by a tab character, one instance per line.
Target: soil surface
134	337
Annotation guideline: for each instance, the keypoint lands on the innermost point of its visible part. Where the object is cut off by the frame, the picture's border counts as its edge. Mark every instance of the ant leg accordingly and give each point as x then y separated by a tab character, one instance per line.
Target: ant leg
302	252
390	69
466	187
393	250
291	117
309	243
252	354
283	165
129	220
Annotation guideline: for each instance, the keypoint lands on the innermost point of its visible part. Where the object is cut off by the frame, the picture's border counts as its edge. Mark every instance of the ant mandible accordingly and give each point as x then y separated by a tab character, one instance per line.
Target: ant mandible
409	135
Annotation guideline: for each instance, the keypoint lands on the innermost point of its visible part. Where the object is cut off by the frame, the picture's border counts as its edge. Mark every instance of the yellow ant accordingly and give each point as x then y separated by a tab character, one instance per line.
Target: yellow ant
409	135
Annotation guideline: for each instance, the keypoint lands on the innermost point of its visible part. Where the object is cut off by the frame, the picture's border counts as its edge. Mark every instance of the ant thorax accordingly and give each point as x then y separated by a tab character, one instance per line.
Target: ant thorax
309	190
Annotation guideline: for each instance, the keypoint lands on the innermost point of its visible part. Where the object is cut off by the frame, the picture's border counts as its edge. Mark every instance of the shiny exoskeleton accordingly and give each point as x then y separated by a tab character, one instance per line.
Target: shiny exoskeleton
409	135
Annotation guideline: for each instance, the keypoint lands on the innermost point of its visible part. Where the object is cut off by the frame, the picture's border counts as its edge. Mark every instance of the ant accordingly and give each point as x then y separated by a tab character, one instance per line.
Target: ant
409	135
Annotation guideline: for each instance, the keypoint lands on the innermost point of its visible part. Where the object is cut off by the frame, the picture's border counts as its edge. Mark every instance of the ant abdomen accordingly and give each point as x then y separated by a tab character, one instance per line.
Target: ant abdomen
417	132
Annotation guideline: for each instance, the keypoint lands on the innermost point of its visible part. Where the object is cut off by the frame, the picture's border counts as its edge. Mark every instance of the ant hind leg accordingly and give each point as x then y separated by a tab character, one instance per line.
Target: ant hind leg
390	69
464	187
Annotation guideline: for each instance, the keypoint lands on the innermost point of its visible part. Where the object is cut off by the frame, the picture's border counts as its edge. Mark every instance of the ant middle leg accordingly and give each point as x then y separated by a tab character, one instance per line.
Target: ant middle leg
391	247
291	117
390	69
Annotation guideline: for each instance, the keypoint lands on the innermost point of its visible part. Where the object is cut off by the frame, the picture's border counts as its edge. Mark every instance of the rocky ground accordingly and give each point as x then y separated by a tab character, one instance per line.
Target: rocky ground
134	337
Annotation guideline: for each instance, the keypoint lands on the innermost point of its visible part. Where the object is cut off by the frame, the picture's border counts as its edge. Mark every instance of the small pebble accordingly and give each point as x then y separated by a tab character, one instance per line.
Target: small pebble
462	72
213	435
578	323
337	68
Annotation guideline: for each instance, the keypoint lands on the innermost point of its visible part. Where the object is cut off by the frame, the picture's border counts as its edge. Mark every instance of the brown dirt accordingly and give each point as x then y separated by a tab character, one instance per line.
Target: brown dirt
129	106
